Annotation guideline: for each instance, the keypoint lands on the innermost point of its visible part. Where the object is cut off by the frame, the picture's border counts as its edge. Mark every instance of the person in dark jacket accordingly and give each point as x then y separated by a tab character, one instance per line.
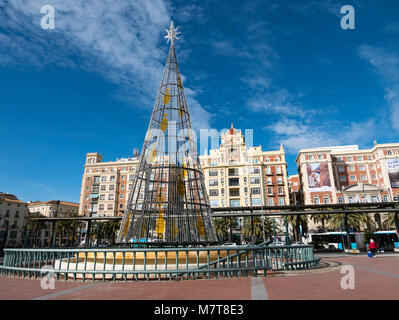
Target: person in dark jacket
373	247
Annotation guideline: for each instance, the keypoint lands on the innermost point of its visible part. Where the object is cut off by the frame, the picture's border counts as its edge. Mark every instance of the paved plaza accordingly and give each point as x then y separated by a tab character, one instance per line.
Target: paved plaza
376	278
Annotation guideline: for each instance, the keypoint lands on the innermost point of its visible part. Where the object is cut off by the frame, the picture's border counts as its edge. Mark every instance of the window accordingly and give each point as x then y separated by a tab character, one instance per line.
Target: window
253	170
310	157
327	200
256	201
112	178
320	156
214	192
342	178
363	177
234	202
362	168
110	206
340	200
373	177
281	201
269	191
121	196
213	182
279	180
271	202
341	169
389	152
340	159
268	170
254	180
213	173
123	177
122	187
111	187
316	200
351	168
374	199
96	179
369	157
280	190
234	181
102	196
255	190
88	179
104	178
121	206
385	198
372	167
359	158
353	178
233	172
349	159
101	206
111	196
131	176
234	192
278	170
102	187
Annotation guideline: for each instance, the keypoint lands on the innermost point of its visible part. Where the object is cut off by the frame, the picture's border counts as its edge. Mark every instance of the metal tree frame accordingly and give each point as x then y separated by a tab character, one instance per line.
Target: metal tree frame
168	202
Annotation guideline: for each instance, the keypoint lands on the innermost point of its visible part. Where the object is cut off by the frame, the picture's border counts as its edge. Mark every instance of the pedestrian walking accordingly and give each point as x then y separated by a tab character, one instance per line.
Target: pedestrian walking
373	247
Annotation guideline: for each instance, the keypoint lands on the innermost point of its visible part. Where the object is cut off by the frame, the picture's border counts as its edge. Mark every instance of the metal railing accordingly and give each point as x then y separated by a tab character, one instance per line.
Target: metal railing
156	263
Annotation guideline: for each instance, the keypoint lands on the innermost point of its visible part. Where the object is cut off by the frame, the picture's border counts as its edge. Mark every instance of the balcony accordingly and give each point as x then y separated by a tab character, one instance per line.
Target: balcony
233	172
234	192
233	182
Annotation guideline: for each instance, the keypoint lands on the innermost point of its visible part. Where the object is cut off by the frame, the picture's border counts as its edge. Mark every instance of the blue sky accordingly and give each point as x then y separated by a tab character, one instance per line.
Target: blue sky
285	69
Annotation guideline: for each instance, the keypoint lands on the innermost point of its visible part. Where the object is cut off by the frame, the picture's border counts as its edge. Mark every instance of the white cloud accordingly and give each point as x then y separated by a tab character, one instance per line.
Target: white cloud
386	64
121	40
295	134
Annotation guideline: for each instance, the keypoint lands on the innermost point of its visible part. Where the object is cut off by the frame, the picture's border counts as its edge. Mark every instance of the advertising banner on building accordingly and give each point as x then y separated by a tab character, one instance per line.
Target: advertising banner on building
393	172
319	177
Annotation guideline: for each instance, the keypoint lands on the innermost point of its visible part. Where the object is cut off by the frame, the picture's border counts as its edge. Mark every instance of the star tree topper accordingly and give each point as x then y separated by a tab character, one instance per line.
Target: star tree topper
172	33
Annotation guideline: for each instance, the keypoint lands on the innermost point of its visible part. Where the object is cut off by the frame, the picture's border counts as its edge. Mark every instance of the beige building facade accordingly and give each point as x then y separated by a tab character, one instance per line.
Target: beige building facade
53	208
14	215
237	175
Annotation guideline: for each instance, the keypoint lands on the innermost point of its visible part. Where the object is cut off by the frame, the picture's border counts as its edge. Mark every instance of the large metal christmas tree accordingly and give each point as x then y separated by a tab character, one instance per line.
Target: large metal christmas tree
168	202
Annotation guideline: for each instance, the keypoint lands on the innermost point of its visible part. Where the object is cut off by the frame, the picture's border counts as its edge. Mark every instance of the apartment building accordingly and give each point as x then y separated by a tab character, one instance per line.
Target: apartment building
106	185
347	174
237	175
14	214
294	188
53	208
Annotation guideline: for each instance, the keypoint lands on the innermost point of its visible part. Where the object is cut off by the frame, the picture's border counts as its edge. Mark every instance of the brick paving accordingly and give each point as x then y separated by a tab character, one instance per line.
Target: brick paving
374	279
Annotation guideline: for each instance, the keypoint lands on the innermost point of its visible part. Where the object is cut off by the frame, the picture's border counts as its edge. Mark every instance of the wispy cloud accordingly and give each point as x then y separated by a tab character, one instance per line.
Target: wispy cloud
386	64
121	40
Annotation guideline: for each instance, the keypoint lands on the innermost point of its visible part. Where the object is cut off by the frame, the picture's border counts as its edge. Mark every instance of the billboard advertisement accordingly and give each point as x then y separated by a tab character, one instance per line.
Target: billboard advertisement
319	177
393	172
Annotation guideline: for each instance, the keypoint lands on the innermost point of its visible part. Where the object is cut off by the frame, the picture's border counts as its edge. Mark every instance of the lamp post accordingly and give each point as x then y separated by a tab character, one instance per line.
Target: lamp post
53	233
287	236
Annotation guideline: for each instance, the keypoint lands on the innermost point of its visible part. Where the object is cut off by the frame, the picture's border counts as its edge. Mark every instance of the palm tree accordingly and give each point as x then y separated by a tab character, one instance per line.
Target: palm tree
64	228
297	221
389	221
355	220
320	218
111	228
231	223
36	225
221	228
254	229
